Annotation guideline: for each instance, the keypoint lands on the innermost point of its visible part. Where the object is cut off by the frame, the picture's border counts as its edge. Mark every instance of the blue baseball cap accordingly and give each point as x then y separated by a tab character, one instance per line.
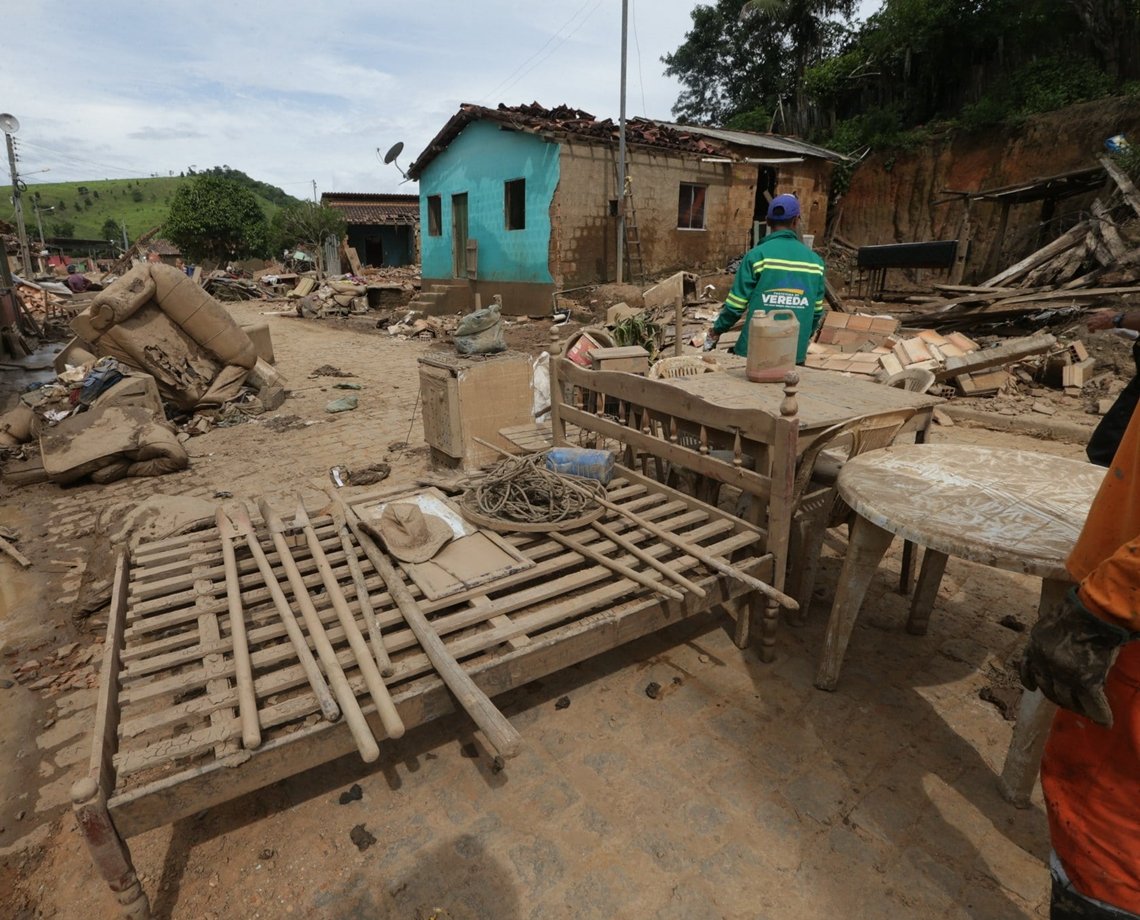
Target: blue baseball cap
784	207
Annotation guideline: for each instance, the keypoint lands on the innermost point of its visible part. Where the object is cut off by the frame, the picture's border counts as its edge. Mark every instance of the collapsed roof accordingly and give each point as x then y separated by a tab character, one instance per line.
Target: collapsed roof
362	209
566	122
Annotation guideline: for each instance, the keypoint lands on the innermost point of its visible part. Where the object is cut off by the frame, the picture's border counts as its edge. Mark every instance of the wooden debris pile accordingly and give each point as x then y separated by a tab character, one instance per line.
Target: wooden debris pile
1095	263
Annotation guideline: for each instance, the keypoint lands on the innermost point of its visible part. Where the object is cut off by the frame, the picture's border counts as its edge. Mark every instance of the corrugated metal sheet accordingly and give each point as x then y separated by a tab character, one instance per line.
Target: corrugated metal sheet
775	142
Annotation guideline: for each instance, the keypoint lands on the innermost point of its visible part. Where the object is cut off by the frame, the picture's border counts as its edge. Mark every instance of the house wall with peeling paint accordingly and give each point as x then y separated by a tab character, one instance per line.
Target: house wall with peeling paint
478	162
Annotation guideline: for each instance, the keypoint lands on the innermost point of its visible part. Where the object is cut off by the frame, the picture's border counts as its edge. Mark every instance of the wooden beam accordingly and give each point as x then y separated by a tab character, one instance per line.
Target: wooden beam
1120	177
1010	351
1064	241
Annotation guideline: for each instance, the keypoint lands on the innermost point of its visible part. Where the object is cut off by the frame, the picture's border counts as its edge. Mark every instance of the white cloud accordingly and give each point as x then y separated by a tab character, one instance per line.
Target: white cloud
290	92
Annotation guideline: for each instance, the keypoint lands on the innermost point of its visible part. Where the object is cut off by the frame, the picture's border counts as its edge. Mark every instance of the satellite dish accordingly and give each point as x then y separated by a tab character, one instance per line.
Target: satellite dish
9	124
390	157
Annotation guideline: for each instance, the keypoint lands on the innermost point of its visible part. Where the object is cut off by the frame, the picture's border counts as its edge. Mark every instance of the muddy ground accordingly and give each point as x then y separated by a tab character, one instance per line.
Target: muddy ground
741	792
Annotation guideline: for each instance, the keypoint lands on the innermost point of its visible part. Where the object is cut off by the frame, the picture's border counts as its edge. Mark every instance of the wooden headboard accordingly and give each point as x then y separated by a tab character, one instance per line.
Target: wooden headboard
657	423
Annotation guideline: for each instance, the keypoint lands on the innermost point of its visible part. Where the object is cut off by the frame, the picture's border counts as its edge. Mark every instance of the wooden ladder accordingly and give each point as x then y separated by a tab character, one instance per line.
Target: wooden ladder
634	264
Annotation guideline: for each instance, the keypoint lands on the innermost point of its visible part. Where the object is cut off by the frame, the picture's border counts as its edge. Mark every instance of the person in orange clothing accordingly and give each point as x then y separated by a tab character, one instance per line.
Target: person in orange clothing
1082	656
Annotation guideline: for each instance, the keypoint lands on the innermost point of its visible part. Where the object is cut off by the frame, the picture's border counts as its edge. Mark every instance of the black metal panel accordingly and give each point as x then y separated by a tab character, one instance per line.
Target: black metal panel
934	254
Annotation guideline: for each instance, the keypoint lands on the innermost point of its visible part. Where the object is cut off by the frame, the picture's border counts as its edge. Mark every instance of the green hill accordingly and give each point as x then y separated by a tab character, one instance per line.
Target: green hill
139	203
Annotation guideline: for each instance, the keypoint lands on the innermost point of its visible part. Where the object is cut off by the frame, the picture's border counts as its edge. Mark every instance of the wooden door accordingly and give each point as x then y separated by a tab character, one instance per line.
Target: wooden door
459	235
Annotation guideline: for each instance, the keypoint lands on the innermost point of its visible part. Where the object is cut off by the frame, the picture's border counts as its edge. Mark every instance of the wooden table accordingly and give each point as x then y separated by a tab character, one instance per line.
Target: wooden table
1010	509
825	398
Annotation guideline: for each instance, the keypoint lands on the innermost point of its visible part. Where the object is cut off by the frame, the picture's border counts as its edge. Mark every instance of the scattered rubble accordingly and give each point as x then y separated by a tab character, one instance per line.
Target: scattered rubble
151	347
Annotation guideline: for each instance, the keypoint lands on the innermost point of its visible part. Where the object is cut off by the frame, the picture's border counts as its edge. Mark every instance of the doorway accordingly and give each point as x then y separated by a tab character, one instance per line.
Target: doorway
459	235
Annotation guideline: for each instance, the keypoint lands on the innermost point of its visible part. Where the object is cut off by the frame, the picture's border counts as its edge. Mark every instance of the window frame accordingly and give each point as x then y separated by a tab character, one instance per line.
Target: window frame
435	215
686	208
514	203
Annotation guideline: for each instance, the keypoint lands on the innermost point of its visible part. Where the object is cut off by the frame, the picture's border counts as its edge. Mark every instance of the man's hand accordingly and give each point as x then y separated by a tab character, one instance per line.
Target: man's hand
711	339
1100	319
1069	655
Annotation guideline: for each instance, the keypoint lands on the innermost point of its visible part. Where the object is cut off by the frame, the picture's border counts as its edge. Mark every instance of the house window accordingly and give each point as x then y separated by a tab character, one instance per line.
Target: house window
435	215
514	204
691	207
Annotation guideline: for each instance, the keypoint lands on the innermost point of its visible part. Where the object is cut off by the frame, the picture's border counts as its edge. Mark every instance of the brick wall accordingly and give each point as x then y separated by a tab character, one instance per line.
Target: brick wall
583	238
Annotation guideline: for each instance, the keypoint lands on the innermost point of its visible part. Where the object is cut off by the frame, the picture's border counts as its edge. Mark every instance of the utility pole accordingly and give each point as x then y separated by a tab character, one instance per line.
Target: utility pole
314	191
10	125
126	244
621	148
39	220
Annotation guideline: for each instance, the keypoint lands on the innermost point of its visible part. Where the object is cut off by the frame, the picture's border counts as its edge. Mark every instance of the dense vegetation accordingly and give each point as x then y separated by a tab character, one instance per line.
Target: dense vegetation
801	66
99	209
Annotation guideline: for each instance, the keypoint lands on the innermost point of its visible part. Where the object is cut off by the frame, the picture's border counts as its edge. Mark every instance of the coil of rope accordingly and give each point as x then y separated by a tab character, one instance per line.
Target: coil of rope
521	490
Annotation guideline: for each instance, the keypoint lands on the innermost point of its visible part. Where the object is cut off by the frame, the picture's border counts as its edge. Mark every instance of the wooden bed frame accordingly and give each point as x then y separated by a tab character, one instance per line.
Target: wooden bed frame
168	735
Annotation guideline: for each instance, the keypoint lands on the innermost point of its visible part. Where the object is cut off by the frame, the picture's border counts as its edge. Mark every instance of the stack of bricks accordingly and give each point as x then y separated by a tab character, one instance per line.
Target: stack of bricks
871	346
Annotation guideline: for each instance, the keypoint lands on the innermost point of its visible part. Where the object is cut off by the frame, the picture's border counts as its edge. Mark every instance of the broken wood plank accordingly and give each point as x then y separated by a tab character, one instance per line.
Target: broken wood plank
1074	235
10	550
1107	231
1007	353
1120	177
833	299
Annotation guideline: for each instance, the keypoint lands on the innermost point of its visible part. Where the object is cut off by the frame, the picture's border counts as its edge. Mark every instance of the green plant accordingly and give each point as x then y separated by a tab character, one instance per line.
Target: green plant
639	330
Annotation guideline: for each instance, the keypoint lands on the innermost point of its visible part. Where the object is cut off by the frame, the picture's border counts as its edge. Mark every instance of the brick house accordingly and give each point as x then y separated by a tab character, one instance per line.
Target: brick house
522	201
383	229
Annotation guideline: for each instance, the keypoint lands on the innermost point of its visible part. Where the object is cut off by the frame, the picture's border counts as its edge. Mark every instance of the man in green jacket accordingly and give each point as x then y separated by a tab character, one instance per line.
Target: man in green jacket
779	274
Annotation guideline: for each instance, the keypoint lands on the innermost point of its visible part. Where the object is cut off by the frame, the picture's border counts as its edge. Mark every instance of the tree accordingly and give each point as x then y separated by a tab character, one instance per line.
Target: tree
214	219
63	228
743	58
306	225
726	69
110	229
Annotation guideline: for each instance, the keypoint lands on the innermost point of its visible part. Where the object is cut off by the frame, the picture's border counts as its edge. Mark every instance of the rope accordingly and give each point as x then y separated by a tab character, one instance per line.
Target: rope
522	490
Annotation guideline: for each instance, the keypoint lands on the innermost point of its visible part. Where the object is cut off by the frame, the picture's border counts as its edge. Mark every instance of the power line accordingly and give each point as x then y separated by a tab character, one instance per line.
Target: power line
637	45
80	161
565	39
505	84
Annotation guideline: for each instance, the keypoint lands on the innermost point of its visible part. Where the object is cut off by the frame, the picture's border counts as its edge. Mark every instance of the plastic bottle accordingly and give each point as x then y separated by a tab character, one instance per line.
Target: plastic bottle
579	461
772	341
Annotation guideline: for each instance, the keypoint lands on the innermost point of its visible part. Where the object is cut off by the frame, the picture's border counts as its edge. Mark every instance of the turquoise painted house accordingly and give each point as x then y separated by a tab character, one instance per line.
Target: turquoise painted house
522	201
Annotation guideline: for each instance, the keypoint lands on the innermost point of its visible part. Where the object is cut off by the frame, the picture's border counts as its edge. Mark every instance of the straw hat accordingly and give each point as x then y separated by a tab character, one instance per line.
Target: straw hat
411	535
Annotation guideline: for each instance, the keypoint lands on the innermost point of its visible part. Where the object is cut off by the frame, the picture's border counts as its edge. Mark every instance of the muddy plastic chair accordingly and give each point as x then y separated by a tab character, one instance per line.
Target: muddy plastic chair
913	380
817	502
682	366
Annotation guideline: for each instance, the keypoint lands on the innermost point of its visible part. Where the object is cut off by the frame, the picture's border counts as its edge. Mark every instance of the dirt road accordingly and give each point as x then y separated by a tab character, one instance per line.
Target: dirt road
742	792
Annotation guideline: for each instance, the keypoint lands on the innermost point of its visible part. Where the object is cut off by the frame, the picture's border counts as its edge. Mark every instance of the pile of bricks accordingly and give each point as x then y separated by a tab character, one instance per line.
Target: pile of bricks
871	346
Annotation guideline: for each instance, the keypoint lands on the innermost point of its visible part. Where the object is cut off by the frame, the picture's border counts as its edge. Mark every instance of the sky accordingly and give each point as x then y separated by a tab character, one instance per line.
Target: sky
291	93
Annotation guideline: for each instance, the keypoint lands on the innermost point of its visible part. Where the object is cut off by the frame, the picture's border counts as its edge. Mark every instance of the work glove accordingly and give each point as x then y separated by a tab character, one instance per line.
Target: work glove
710	340
1069	655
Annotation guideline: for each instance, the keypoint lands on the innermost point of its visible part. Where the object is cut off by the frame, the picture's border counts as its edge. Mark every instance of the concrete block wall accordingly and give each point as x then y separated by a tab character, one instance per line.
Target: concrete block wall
583	240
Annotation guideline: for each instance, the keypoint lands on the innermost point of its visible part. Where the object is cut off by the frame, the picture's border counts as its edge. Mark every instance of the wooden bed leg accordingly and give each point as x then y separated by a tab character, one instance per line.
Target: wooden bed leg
110	854
768	627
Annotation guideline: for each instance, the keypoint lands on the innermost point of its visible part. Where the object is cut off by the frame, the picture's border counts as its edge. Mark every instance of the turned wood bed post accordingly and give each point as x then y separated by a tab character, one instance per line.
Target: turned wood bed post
89	795
782	466
111	857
